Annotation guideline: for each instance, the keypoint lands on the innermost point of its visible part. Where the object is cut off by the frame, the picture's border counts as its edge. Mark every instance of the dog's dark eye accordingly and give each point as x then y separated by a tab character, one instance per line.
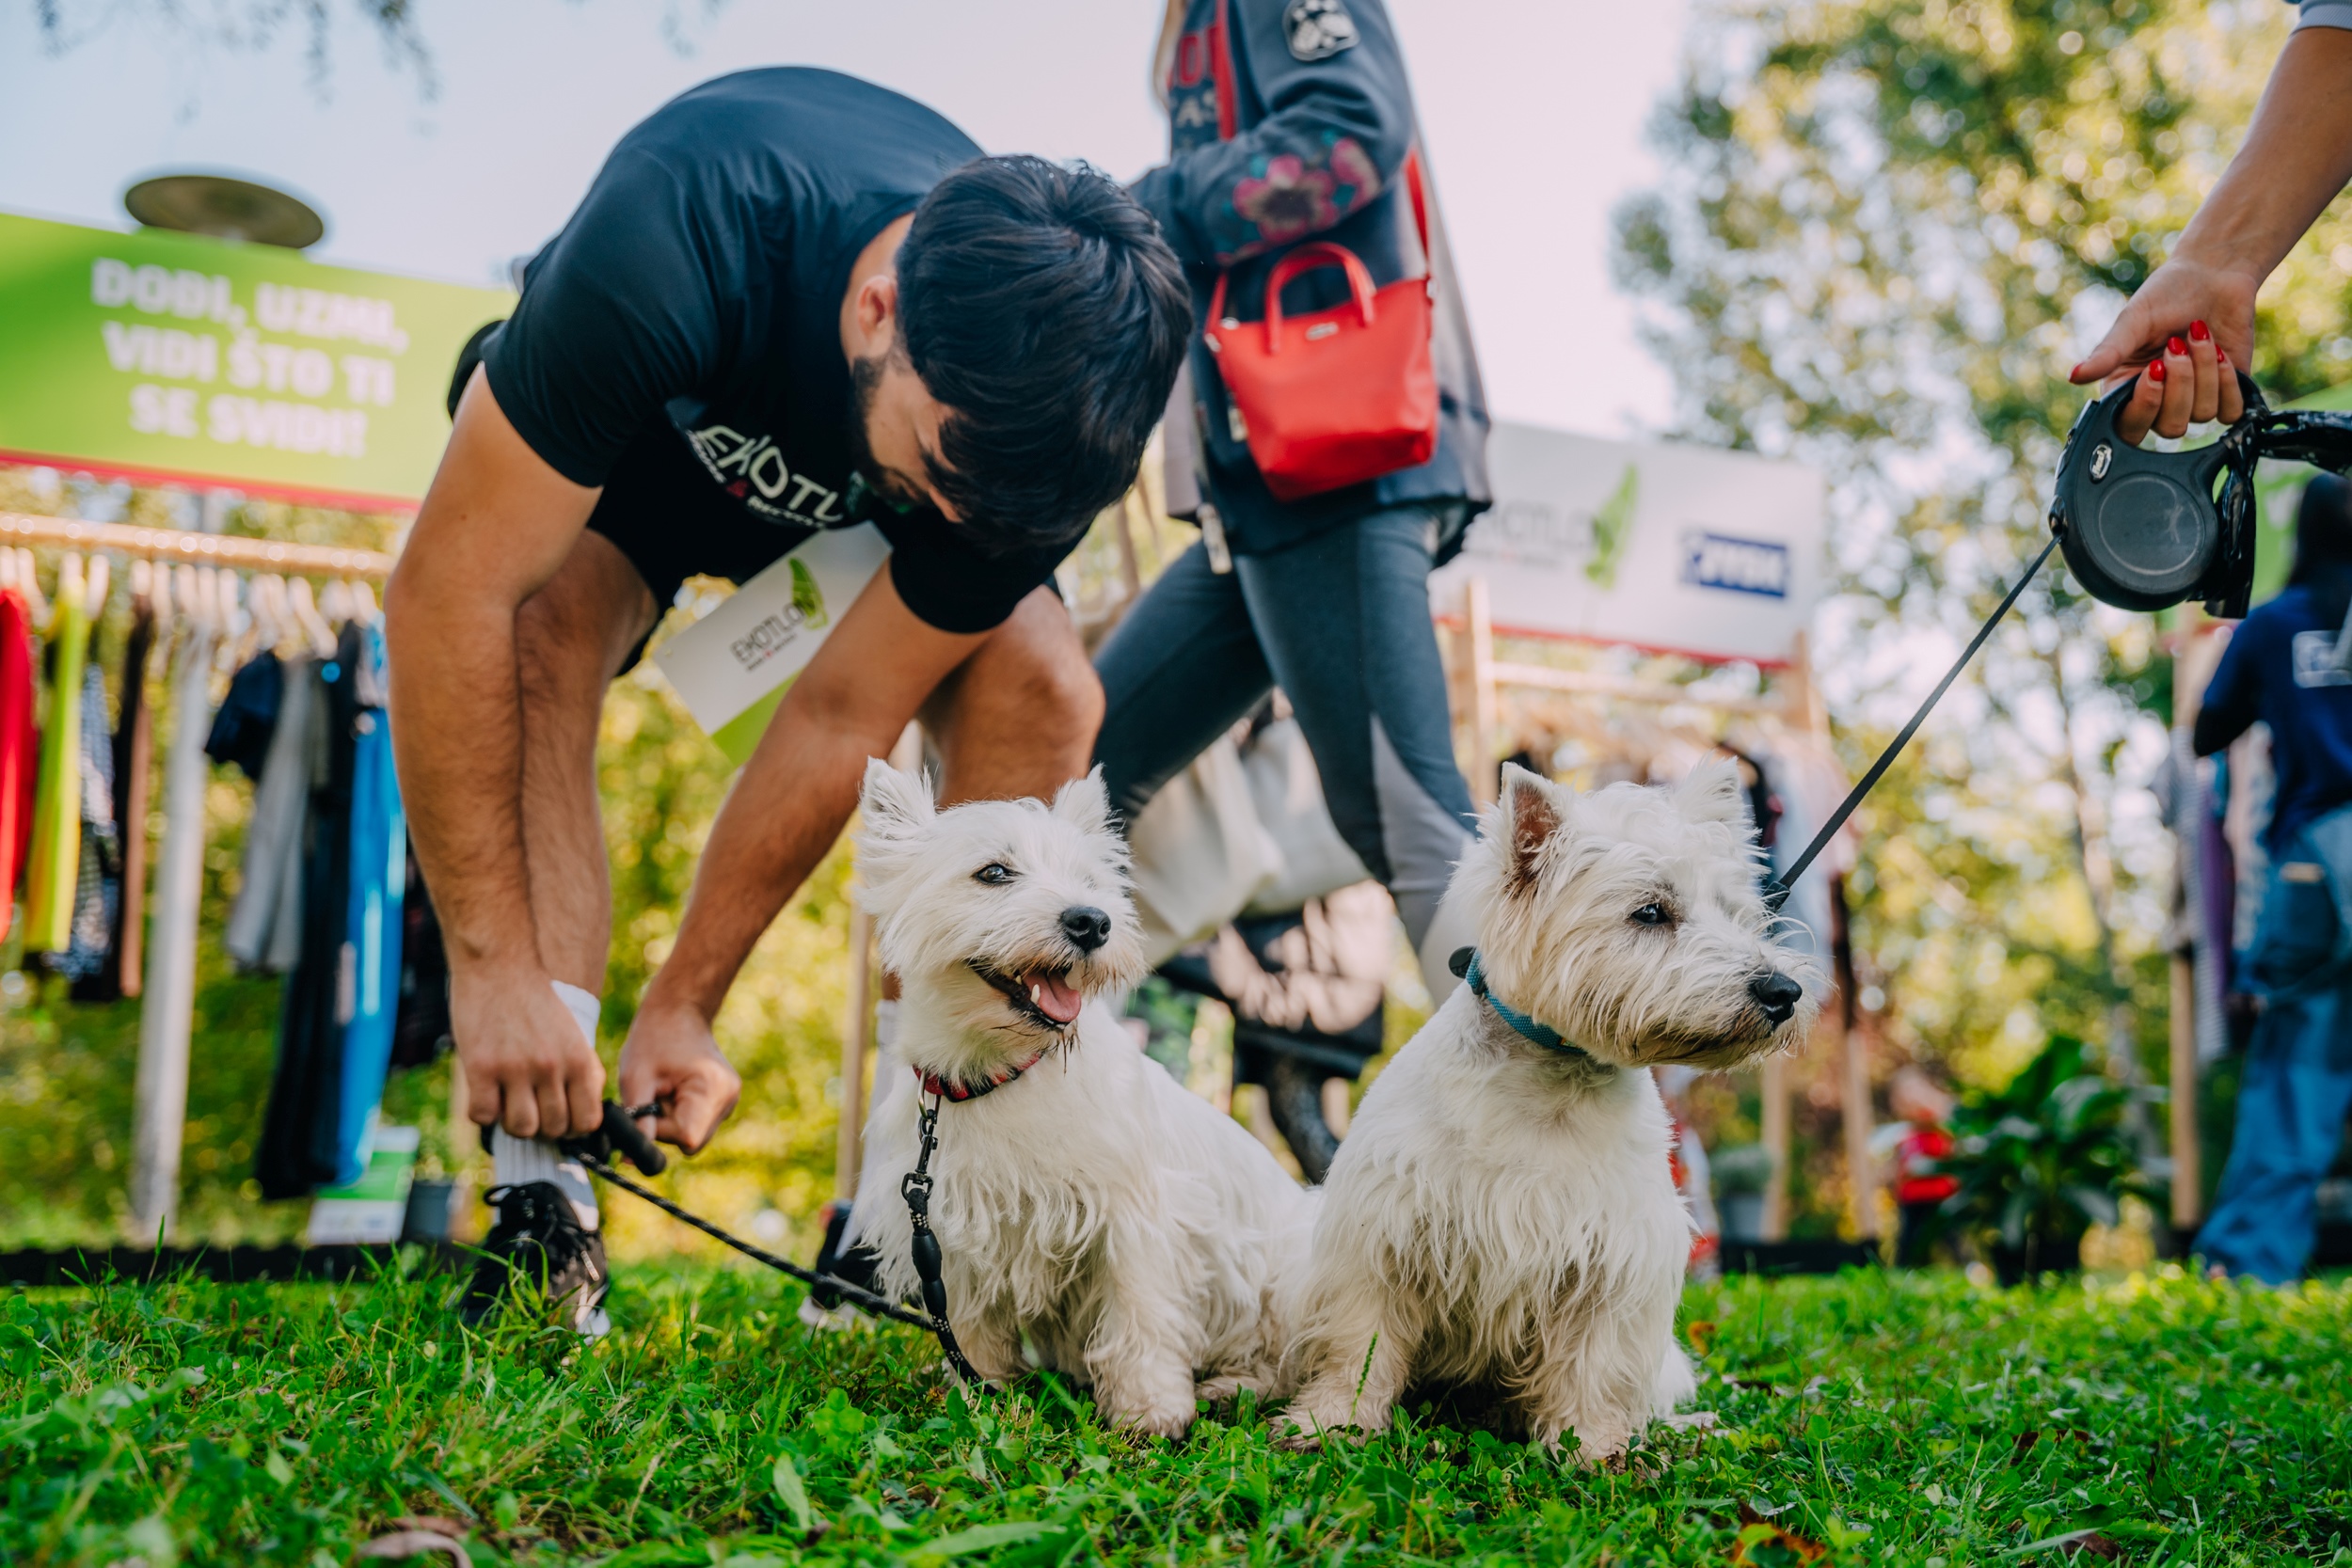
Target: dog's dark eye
1651	914
993	874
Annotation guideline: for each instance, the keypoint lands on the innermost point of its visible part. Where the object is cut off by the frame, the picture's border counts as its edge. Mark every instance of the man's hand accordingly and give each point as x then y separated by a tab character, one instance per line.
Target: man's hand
672	1059
528	1067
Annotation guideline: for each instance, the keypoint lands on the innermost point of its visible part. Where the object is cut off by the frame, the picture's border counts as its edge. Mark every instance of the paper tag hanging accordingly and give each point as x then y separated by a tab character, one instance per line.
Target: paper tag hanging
732	667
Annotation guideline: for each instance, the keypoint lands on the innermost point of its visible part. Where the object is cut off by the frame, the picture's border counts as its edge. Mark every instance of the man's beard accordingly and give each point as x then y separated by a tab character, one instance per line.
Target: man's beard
865	378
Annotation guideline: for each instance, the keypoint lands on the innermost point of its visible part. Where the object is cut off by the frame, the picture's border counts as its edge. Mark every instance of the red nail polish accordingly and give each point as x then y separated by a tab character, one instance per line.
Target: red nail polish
2200	331
2174	345
2076	373
2221	356
2155	370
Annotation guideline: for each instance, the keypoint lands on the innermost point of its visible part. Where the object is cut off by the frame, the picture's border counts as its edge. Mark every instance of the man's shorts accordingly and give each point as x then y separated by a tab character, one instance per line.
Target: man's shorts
663	510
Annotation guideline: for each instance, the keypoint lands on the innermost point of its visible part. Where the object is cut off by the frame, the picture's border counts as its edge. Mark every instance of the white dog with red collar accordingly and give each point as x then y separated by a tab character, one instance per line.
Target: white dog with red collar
1096	1216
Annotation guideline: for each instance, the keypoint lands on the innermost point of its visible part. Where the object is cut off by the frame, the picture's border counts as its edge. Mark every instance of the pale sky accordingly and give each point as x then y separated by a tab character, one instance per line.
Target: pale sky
1532	110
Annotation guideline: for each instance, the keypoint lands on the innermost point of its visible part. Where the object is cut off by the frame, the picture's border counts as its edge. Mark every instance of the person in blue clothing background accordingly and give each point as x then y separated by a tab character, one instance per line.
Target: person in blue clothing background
1327	596
2286	667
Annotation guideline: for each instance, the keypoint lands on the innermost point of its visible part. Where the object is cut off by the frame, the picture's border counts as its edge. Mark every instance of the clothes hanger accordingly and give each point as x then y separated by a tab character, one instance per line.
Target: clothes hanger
29	578
305	614
71	579
265	594
94	588
362	602
334	602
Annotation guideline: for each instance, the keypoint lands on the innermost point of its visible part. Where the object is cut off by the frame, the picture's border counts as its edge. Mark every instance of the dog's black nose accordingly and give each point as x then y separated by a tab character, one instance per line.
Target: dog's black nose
1087	929
1776	994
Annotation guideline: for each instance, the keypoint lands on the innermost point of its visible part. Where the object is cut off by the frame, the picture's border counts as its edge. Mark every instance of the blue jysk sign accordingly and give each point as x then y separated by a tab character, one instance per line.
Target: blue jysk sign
1736	565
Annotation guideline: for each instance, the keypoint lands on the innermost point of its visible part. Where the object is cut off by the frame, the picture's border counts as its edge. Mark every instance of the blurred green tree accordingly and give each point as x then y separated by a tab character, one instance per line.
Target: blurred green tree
1886	233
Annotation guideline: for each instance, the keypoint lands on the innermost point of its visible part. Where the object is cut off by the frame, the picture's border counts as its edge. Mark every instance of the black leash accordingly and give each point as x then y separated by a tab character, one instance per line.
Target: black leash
1776	891
916	1188
620	1133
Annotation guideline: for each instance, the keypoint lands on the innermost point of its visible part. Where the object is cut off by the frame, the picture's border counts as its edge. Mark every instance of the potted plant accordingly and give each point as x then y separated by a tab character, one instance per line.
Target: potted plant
2040	1162
1741	1175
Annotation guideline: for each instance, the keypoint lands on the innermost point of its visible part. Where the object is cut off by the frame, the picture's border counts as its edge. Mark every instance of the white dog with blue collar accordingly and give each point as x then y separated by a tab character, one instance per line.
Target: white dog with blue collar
1502	1216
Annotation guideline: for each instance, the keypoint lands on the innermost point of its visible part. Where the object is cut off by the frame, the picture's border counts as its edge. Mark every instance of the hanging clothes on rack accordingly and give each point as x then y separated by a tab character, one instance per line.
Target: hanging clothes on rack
20	744
206	602
98	880
299	1149
421	1027
372	931
265	726
52	880
133	758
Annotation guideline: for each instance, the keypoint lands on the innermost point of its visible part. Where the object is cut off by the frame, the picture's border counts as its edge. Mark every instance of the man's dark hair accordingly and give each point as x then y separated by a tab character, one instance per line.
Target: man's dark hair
1041	306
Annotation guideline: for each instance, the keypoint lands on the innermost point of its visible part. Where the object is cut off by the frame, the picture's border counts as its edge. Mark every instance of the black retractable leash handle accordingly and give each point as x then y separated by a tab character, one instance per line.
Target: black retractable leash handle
620	1135
2142	530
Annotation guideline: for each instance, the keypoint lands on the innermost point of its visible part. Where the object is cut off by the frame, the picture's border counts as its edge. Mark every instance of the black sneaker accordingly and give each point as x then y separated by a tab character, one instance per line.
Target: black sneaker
540	1245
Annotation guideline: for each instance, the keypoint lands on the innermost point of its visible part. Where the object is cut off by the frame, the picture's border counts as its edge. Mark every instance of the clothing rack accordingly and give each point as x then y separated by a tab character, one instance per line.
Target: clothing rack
169	993
192	549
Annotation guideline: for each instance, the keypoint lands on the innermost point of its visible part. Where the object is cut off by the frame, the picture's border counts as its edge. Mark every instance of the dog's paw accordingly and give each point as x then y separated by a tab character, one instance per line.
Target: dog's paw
1155	1423
1218	1390
1310	1422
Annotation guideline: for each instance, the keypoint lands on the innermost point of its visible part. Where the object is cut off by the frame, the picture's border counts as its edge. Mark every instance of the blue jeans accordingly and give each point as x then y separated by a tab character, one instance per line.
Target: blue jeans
1340	622
2297	1082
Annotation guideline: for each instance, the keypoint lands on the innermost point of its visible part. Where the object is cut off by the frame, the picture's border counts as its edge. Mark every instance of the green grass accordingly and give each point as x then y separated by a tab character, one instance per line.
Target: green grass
1913	1420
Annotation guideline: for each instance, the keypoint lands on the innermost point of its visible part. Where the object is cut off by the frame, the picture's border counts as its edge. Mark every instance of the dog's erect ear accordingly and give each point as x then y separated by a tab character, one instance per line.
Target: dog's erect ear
894	804
1712	793
1534	810
1084	804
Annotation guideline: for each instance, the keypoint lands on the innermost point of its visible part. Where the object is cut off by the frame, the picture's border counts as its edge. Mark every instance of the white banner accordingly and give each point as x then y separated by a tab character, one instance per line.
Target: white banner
1684	549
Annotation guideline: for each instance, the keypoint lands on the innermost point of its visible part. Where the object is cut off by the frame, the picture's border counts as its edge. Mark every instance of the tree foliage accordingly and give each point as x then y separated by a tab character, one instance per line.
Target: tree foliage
1885	233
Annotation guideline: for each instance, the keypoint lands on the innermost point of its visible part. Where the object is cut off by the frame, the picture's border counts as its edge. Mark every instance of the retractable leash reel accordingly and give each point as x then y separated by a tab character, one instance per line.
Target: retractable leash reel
620	1135
2140	529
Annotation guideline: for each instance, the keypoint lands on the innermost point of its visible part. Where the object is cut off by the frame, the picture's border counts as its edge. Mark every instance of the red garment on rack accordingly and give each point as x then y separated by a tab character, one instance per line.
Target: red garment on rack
20	747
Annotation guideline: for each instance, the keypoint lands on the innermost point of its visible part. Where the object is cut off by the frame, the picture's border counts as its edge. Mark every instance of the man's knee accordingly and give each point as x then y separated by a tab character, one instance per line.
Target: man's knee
1033	674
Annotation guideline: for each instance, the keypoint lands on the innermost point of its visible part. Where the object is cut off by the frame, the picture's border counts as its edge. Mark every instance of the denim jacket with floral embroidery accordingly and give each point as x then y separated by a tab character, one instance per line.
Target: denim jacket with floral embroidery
1319	132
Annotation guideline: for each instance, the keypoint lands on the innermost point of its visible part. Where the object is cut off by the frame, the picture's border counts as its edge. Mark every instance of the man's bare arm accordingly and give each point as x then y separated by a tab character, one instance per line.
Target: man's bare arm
495	525
785	812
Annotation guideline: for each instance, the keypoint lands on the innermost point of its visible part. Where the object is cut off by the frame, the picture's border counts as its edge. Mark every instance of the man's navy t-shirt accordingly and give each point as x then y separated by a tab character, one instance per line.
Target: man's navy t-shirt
2279	667
700	285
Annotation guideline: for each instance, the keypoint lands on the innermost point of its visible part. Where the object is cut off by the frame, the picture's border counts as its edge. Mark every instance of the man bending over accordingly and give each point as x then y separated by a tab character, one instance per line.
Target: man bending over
791	301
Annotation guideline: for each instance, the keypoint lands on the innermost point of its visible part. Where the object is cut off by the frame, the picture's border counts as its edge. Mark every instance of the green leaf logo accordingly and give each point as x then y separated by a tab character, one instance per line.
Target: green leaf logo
1613	529
807	597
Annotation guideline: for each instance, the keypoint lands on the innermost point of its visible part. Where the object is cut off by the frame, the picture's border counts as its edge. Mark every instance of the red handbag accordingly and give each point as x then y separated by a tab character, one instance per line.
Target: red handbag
1338	396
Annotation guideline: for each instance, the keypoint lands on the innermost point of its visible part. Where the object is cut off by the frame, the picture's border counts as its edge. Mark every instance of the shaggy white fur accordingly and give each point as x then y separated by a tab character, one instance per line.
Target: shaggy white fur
1095	1215
1501	1216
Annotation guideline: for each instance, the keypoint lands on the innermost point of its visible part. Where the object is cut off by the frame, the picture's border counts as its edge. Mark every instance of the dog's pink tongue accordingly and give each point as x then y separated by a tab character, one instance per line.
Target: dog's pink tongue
1056	997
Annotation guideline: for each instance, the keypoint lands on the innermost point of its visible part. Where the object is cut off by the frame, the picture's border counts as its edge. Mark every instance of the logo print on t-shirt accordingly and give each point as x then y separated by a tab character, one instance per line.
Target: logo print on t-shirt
1317	29
754	468
2315	660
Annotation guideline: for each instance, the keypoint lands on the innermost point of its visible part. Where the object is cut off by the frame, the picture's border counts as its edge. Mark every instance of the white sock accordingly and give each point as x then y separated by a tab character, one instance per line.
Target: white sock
515	1161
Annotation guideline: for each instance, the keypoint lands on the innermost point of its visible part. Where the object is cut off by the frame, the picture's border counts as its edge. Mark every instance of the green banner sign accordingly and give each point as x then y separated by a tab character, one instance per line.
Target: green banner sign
177	359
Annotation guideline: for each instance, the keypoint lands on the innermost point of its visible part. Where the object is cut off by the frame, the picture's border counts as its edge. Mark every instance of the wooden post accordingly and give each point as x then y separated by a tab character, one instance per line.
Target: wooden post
857	1029
847	1150
2192	667
1130	573
2188	1177
1477	662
